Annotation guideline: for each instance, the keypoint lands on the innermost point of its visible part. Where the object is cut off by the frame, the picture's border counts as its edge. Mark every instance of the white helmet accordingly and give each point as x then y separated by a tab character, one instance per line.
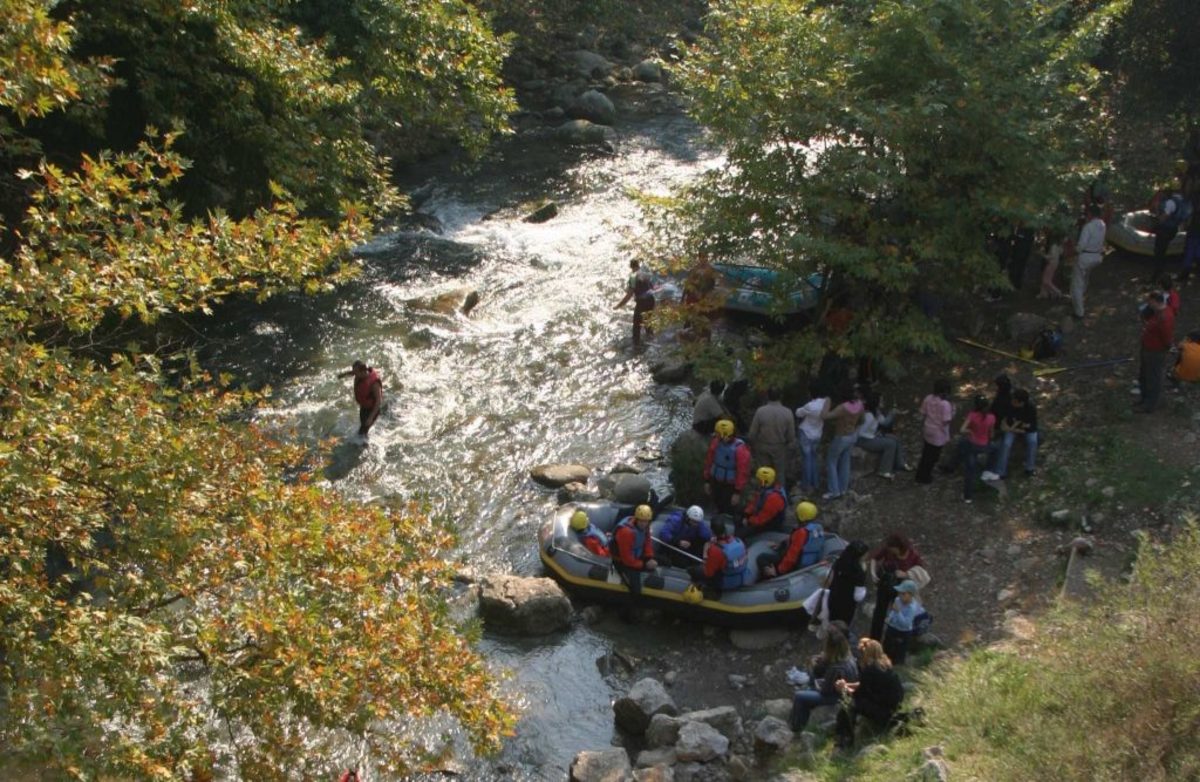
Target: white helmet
695	513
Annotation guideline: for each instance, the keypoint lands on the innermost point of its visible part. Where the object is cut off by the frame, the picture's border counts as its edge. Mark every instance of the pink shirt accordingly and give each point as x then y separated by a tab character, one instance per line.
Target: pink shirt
979	427
938	414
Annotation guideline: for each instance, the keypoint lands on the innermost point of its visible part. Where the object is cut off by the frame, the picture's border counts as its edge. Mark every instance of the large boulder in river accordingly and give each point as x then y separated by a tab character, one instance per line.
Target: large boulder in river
594	106
580	132
523	606
606	765
629	489
645	699
554	475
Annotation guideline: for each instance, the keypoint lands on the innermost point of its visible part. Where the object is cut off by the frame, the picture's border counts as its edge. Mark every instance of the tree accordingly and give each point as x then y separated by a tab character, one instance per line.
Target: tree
879	143
179	599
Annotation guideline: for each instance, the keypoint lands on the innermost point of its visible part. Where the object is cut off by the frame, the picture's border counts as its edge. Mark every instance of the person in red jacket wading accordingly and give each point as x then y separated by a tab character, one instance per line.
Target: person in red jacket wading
368	393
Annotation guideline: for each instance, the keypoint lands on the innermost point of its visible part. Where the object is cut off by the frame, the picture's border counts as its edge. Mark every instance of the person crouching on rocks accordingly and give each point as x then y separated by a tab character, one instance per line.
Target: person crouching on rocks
587	533
725	562
634	553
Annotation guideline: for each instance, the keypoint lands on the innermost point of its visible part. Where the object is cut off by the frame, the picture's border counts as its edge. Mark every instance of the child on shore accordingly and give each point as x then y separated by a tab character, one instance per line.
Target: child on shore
900	617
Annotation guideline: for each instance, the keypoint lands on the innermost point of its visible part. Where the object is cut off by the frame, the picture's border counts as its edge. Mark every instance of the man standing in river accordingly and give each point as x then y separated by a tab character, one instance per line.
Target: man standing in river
638	288
368	393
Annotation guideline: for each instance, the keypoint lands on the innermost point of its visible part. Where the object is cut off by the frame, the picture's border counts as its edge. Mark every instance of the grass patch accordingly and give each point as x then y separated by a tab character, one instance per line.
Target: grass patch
1109	691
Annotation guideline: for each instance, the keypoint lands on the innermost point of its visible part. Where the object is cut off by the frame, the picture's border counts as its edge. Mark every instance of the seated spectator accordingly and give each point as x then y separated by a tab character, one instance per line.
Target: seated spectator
876	695
836	665
899	622
873	438
1021	422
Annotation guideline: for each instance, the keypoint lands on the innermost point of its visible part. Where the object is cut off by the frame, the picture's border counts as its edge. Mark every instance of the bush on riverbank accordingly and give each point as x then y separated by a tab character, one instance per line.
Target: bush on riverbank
1104	691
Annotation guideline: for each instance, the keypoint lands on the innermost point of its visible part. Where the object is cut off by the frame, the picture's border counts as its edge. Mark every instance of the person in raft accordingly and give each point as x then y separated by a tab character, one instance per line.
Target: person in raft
724	562
804	547
686	533
768	510
726	467
368	393
589	534
633	554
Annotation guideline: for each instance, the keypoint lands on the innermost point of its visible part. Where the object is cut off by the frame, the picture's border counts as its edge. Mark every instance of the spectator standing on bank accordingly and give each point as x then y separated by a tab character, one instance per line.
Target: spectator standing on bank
936	414
812	427
1089	255
773	436
1158	335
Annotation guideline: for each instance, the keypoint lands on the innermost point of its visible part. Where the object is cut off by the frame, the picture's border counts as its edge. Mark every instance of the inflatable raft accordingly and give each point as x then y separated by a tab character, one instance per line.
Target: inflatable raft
775	600
1133	232
756	290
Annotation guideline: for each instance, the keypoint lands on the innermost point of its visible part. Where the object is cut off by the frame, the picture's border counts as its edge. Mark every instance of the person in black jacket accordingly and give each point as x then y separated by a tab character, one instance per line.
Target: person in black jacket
848	582
876	695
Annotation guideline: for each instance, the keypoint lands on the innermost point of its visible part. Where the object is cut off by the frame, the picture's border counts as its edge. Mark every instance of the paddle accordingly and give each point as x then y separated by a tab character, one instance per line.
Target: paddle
1054	370
982	346
673	548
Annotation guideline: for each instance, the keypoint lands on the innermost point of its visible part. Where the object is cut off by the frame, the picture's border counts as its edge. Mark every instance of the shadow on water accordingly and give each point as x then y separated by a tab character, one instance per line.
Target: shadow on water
343	458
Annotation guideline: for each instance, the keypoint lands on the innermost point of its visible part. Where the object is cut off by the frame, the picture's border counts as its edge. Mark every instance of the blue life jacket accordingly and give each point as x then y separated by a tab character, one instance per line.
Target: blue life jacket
734	574
724	466
639	542
593	532
778	518
814	546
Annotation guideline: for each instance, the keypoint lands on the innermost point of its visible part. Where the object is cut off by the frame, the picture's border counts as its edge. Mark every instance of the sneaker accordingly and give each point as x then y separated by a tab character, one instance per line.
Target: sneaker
830	496
988	475
904	468
886	475
1030	473
967	500
1136	390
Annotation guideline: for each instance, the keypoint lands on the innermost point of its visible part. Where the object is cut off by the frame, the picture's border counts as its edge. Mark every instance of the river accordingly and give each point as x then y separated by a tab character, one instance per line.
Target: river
540	371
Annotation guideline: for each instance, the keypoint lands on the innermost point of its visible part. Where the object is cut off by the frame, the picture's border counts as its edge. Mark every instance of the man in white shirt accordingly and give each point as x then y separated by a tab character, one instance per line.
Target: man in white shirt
1090	249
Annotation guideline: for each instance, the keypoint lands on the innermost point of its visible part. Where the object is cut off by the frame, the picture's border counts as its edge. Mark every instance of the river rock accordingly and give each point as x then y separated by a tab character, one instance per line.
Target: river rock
606	765
660	773
659	756
525	606
645	699
700	742
671	371
648	70
589	65
663	731
545	212
576	492
701	772
724	719
630	489
772	735
757	640
582	133
555	475
780	708
593	106
1024	326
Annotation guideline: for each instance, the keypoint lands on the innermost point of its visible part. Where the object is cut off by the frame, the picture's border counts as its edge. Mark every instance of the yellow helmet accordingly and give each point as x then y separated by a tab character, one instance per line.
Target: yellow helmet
579	521
806	511
693	594
766	476
643	513
724	428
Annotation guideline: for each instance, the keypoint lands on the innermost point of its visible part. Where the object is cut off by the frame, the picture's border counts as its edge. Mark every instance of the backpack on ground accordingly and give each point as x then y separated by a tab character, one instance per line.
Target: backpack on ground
1047	344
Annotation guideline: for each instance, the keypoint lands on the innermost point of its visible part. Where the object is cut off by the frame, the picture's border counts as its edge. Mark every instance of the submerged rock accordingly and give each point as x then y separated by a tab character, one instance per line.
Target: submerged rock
582	133
555	475
543	213
524	606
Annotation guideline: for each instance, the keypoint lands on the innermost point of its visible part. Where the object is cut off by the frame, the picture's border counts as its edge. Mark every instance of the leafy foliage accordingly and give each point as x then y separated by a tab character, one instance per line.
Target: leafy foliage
881	142
180	601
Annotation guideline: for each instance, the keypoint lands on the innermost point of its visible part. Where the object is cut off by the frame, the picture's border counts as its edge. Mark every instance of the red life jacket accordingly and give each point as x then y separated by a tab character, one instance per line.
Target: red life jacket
362	388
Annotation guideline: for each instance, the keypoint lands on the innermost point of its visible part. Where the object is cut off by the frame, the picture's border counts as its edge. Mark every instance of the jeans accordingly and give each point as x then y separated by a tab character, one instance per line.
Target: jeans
929	459
804	702
969	453
1031	447
810	473
838	463
889	448
1150	376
